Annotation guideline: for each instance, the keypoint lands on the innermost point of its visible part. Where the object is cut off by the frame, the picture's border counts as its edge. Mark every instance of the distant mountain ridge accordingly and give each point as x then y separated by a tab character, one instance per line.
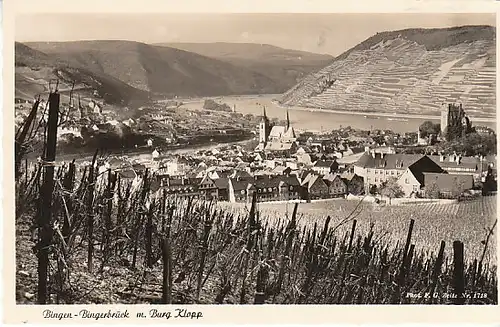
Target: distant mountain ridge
284	66
407	71
123	71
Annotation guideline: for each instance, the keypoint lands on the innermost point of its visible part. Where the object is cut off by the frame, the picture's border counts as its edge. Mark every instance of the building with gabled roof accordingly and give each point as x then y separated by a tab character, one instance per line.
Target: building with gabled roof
336	185
412	180
324	167
277	188
240	189
376	168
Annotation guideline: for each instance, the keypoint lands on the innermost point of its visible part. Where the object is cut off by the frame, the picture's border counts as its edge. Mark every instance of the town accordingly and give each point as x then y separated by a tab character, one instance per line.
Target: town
281	164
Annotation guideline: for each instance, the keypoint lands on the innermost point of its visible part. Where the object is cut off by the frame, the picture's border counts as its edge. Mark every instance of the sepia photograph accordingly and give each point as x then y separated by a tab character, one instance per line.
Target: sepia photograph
255	158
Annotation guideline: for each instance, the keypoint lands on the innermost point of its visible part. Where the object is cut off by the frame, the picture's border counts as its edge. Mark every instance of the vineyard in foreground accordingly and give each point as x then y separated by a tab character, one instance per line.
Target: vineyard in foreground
114	241
467	221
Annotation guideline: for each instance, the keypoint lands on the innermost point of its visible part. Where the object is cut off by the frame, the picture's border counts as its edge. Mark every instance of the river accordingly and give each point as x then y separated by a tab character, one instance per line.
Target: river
143	154
318	120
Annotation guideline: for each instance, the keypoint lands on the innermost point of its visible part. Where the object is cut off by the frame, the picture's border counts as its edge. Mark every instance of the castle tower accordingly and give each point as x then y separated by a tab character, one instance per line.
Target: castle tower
444	119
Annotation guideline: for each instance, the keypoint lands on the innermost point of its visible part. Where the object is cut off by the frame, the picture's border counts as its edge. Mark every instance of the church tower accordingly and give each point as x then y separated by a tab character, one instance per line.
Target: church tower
287	121
264	128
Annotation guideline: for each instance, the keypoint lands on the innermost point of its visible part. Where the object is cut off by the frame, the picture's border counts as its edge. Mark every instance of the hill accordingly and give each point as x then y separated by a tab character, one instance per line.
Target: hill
410	71
160	70
35	70
284	66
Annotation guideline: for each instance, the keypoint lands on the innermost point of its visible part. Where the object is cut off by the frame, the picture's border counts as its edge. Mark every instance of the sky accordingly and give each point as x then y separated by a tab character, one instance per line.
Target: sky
320	33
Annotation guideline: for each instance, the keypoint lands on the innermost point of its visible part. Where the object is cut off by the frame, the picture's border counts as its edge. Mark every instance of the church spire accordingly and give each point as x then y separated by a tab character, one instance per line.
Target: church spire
264	109
287	120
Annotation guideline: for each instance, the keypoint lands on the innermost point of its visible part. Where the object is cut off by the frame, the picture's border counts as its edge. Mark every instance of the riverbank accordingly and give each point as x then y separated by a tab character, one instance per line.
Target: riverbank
145	152
320	120
380	114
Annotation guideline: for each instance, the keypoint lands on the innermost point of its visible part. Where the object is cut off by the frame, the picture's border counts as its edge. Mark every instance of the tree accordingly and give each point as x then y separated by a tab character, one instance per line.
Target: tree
457	189
356	185
428	128
490	184
432	191
391	189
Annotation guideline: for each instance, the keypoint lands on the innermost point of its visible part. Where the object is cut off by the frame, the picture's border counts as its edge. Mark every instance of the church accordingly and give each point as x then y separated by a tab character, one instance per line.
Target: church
276	139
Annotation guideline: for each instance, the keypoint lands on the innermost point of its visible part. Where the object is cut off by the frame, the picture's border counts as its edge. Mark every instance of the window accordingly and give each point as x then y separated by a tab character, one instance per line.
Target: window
376	171
406	181
375	179
392	172
415	188
368	170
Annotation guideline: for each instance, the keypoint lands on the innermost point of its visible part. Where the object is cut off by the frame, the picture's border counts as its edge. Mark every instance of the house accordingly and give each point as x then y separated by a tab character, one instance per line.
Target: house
277	188
304	159
324	167
239	173
376	168
222	185
155	154
180	186
208	189
337	187
315	187
355	183
240	189
281	170
412	180
449	185
291	164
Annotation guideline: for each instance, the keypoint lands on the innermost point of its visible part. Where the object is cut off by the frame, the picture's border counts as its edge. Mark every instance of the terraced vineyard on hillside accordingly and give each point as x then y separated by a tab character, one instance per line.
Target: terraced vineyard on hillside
403	76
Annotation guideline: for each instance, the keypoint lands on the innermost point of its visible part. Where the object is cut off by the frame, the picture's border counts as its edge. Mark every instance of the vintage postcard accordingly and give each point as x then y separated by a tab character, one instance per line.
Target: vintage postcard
223	162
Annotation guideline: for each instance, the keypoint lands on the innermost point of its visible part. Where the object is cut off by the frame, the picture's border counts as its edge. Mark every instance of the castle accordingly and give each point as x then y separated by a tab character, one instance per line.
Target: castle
276	138
454	121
